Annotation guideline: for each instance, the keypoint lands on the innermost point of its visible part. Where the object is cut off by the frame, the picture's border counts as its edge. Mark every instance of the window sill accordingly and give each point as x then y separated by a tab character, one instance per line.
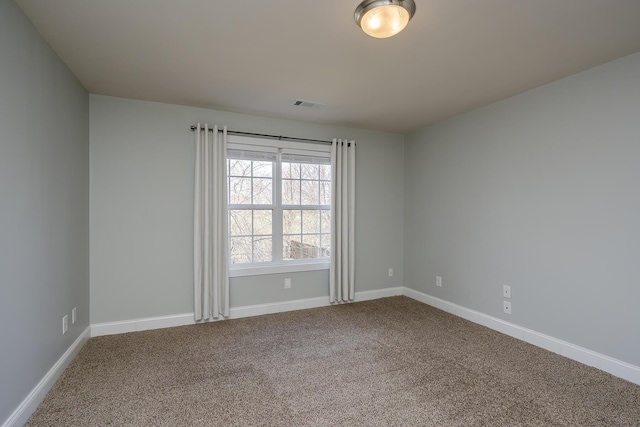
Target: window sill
280	268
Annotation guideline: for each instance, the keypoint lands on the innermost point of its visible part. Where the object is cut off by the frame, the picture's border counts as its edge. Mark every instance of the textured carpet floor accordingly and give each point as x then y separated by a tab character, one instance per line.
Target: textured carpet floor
388	362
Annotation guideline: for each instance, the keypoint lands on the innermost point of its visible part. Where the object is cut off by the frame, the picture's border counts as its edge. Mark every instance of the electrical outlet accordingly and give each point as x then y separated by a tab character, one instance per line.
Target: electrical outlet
287	283
506	291
507	306
73	316
439	281
391	272
65	324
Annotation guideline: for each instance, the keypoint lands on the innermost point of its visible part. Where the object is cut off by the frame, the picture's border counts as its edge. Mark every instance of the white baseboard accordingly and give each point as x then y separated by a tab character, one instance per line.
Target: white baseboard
30	403
144	324
379	293
148	323
579	354
277	307
301	304
170	321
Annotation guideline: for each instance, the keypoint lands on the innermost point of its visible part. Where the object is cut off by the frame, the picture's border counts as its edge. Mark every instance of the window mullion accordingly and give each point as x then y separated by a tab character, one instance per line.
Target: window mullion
253	237
253	229
277	211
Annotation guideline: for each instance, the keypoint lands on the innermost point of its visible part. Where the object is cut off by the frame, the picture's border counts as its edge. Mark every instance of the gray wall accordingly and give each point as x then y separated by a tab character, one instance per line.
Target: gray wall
141	209
541	192
44	212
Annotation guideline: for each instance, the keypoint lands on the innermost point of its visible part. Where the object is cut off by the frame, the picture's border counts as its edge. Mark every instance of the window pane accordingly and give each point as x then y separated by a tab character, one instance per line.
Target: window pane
311	240
240	191
310	222
263	169
239	167
292	247
262	191
262	221
309	171
262	249
310	192
326	245
293	170
290	192
286	170
325	193
291	221
325	172
240	250
310	246
325	218
240	223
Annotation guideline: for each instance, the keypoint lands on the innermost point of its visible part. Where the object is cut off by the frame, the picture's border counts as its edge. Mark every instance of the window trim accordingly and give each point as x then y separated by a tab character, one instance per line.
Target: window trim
257	269
250	143
278	265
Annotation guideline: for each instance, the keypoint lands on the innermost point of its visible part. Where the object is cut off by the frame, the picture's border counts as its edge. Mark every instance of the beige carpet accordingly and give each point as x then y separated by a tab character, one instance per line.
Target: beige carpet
388	362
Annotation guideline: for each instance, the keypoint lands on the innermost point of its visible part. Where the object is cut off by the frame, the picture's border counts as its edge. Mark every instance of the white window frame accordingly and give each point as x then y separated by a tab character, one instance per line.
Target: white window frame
278	265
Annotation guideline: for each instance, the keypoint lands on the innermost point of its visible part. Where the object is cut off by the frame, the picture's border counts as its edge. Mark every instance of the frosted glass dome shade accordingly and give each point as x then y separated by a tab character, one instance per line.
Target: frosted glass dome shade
384	18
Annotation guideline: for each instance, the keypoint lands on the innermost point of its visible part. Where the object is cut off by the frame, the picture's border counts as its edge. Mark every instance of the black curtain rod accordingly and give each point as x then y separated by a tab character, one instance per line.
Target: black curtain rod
279	137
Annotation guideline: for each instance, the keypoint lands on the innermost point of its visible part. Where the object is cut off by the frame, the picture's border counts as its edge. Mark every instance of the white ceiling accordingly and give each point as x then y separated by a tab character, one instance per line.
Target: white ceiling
259	56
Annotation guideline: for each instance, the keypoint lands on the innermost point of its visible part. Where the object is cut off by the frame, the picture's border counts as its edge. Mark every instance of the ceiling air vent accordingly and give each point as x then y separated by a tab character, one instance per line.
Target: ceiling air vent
309	104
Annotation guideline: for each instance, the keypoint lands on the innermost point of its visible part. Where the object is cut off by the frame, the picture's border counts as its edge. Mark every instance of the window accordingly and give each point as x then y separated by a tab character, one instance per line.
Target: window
306	207
251	205
279	206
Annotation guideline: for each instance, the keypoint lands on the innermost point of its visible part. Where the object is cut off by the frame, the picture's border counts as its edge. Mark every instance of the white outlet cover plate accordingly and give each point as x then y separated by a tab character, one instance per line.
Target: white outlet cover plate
506	291
507	306
439	281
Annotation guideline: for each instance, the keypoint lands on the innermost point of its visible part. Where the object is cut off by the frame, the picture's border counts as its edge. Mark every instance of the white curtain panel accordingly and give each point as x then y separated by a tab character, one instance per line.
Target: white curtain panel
210	267
342	273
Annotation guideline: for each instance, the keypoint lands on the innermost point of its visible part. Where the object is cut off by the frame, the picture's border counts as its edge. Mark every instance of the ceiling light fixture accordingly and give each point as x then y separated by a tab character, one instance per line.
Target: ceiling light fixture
384	18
